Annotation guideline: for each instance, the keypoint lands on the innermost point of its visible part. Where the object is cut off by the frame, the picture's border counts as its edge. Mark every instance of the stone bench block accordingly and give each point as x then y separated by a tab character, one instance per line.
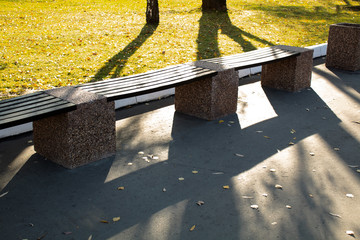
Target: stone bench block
343	51
78	137
210	98
292	74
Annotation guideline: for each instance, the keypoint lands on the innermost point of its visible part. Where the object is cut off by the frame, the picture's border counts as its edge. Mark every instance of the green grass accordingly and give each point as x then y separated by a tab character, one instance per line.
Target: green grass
47	44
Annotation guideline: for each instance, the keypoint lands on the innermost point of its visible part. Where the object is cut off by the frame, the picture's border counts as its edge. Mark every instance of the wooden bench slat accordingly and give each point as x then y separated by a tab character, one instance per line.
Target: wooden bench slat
195	73
21	99
23	103
115	95
251	55
33	105
33	110
151	74
36	115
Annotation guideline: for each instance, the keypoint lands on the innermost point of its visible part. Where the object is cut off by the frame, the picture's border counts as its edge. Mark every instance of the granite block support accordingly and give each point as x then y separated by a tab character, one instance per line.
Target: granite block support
209	98
78	137
343	51
291	74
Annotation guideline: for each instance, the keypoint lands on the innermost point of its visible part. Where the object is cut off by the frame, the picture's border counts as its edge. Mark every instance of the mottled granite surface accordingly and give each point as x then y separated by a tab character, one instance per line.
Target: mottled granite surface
343	50
291	74
210	98
78	137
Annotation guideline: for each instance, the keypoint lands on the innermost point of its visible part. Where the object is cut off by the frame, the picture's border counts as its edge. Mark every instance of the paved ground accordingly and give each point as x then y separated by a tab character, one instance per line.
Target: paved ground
307	142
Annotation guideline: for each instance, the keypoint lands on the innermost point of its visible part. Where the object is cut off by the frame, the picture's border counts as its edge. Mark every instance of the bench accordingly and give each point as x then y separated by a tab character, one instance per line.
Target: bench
79	125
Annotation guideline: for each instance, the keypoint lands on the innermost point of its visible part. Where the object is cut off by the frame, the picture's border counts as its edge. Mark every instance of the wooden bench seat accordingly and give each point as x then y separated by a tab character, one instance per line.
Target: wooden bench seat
31	107
249	59
157	80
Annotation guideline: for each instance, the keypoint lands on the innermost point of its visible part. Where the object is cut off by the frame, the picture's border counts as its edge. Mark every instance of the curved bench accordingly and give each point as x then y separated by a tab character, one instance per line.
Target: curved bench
76	125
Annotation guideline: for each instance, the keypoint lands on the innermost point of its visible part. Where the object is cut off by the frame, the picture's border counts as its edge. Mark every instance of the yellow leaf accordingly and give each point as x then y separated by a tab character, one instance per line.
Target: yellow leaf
192	228
195	172
266	137
104	221
115	219
221	121
226	187
121	188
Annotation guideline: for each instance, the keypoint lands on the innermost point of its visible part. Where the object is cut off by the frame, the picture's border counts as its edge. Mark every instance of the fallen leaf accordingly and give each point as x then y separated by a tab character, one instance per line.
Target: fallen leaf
267	137
358	122
239	155
231	122
181	179
254	206
353	166
310	195
164	189
104	221
265	194
278	186
307	109
292	131
121	188
247	197
272	170
67	233
192	228
358	170
349	195
218	173
42	236
350	233
221	121
226	187
130	164
115	219
291	143
195	172
200	203
273	223
336	149
3	194
141	153
335	215
312	154
288	207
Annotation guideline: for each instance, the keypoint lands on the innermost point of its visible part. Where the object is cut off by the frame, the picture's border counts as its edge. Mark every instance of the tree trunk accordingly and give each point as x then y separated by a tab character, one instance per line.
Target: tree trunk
218	5
152	12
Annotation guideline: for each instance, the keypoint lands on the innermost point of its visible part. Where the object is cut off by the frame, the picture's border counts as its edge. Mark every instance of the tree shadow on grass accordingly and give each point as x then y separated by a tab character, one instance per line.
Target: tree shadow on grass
210	23
115	64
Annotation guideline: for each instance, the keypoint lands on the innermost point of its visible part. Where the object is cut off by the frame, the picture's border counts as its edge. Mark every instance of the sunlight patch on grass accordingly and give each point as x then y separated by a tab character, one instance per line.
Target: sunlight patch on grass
48	44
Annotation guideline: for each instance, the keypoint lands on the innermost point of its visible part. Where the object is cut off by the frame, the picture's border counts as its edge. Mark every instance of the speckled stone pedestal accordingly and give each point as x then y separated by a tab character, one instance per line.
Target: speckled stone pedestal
79	137
210	98
343	50
291	74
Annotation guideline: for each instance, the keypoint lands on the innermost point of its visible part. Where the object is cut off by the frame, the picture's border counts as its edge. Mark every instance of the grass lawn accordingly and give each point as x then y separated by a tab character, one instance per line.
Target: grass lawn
55	43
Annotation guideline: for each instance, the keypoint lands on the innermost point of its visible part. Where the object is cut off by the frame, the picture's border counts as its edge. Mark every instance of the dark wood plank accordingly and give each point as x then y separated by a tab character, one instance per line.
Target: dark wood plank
32	116
194	72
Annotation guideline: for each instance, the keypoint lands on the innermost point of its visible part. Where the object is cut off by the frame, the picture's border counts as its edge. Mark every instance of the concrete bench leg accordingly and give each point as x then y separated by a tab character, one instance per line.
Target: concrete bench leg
79	137
291	74
210	98
343	50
